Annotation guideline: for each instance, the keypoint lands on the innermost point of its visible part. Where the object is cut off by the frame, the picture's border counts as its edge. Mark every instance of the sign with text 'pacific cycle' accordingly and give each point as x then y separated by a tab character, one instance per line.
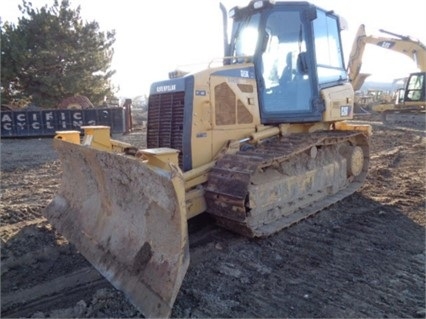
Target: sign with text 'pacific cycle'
46	122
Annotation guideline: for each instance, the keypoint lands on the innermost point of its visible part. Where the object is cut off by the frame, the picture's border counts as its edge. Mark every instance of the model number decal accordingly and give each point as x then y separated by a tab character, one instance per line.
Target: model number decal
344	110
244	73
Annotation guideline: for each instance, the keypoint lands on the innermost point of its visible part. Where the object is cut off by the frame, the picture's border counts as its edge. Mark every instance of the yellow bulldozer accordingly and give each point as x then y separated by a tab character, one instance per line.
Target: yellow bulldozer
260	141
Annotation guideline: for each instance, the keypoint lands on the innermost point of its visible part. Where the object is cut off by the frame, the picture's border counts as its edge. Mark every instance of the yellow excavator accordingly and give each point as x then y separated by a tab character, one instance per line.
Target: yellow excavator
261	140
409	104
410	101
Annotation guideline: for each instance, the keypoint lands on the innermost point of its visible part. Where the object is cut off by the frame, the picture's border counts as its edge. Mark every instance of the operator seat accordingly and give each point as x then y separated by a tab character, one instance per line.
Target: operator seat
302	64
287	74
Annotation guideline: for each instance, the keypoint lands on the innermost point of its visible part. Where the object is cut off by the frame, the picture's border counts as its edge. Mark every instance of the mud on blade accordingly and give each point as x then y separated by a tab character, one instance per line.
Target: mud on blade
128	219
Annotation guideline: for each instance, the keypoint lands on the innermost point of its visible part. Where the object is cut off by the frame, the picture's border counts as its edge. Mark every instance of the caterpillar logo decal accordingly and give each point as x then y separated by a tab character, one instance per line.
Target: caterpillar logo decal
386	44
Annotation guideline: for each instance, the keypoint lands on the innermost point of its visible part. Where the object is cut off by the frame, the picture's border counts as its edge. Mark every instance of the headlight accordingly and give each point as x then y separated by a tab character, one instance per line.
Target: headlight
261	3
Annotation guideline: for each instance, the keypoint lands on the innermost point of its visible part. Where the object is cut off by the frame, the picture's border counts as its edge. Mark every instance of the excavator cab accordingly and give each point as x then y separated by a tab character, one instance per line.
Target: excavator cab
409	106
416	87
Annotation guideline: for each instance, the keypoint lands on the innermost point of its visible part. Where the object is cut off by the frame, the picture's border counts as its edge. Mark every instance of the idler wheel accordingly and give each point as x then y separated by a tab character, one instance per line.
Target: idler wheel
355	161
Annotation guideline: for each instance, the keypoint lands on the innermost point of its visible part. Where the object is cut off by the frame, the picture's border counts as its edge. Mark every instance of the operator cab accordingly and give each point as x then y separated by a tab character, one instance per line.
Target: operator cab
296	50
416	87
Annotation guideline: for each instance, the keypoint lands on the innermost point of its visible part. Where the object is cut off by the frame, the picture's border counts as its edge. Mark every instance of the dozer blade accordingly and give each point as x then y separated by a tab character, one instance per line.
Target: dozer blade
128	219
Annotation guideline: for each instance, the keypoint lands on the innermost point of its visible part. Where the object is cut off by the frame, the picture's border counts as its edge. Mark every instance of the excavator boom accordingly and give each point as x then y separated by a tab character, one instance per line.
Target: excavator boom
414	49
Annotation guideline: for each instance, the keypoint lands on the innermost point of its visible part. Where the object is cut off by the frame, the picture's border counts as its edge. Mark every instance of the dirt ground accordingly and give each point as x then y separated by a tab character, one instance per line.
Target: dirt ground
363	257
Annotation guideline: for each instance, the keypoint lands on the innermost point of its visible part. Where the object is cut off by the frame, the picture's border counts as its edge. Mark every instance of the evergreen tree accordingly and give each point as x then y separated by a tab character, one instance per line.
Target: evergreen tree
51	54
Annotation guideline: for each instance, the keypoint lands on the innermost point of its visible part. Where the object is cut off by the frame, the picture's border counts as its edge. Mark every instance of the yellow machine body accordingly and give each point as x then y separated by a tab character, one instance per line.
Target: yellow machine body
259	153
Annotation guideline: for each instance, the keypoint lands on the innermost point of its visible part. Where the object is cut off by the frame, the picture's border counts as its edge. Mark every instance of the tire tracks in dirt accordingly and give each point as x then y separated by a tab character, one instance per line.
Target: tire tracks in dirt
70	287
319	268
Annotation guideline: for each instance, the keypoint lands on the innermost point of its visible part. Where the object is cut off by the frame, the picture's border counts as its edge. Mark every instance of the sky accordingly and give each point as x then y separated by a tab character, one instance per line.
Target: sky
156	37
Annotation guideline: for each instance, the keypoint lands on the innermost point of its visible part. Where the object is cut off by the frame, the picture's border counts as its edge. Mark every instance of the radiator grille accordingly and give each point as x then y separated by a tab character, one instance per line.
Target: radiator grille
165	121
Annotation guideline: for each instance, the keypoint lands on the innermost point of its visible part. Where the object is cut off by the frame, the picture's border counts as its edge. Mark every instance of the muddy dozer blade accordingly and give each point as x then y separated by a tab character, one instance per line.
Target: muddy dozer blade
128	220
